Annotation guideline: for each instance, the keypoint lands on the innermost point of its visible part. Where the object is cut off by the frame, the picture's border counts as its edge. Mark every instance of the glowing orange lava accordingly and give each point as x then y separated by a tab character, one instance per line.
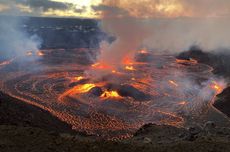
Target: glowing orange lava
127	61
183	103
173	83
78	78
144	51
101	66
191	61
39	53
217	87
130	68
110	94
84	88
6	62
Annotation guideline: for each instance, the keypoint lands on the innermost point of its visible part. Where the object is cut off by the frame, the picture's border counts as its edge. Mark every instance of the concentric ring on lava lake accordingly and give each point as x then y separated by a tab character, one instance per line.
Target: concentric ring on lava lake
160	95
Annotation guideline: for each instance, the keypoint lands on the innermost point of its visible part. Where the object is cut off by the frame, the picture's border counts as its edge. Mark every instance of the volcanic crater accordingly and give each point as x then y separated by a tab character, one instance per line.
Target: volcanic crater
113	102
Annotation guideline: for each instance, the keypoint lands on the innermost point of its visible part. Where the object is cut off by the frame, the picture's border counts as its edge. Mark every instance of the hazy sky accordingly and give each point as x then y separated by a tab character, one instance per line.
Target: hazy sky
136	8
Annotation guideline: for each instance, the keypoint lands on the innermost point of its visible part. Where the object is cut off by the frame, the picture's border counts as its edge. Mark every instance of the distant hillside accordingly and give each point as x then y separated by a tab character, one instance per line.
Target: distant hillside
65	32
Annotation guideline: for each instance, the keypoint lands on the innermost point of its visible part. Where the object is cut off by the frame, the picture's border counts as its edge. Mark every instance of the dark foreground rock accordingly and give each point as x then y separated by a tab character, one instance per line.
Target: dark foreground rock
223	102
18	113
159	139
218	59
25	128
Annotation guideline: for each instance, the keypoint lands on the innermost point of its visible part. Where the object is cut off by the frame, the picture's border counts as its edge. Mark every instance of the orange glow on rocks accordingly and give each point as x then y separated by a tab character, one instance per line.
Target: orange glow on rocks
183	103
83	88
128	61
6	62
101	66
217	87
144	51
110	94
130	68
79	78
191	61
40	53
173	83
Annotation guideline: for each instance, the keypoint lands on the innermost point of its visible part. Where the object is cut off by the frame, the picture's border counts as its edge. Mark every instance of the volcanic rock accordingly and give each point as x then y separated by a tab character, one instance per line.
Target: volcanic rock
66	136
130	91
194	130
147	140
83	81
219	59
18	113
209	125
144	57
96	91
111	86
160	134
223	102
196	53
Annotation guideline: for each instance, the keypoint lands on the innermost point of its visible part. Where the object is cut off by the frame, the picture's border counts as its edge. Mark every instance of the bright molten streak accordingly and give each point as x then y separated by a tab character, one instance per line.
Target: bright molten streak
79	78
39	53
173	83
84	88
217	87
110	94
130	68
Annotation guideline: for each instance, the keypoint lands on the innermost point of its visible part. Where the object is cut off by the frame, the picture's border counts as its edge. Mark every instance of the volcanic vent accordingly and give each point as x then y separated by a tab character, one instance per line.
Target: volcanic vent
113	101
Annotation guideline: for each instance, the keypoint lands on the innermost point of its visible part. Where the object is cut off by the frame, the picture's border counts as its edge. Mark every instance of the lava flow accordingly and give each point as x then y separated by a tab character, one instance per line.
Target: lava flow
162	90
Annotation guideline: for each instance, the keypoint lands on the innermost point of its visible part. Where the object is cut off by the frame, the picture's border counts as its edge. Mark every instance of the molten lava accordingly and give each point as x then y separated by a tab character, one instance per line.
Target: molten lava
130	68
110	94
79	78
190	61
173	83
144	51
217	87
183	103
127	61
101	66
129	99
40	53
83	88
6	62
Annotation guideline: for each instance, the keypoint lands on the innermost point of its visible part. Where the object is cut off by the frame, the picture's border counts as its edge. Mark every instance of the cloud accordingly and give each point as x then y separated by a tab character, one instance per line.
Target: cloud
110	11
44	4
163	25
81	10
36	7
207	7
167	8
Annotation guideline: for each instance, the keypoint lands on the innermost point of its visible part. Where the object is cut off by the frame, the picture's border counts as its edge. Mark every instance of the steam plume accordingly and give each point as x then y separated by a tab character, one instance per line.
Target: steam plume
163	25
14	41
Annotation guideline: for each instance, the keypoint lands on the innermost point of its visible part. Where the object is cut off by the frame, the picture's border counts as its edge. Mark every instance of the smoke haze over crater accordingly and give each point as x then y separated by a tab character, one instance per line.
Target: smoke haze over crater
14	41
163	25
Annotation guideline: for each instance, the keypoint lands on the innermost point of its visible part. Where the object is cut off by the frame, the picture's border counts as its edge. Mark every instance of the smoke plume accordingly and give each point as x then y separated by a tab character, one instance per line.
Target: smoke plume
163	25
14	40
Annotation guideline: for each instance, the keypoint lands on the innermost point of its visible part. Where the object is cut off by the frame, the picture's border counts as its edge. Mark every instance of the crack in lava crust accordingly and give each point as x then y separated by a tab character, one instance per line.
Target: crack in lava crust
54	89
